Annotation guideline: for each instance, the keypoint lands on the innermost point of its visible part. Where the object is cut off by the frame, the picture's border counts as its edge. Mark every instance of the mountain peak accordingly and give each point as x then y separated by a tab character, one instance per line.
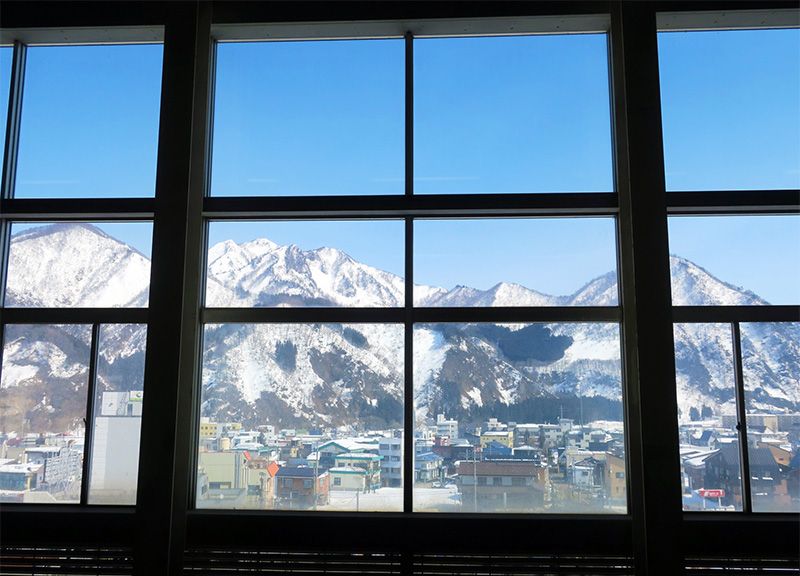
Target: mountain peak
75	264
693	285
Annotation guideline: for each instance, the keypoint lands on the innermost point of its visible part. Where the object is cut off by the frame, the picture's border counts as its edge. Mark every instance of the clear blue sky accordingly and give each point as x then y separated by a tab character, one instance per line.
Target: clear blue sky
491	115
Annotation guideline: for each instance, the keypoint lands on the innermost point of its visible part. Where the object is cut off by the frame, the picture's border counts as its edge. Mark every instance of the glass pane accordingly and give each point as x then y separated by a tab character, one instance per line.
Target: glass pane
89	121
729	107
117	413
301	416
6	56
709	443
512	114
515	262
43	392
518	418
309	118
79	264
735	260
301	264
771	358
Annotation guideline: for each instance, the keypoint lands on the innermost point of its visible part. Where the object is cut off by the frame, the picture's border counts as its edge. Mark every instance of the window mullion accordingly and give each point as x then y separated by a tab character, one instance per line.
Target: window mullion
88	434
10	156
408	371
13	123
741	413
408	368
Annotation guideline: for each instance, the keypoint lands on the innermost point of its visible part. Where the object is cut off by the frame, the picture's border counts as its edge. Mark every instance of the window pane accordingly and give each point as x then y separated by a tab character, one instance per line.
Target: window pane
301	264
515	262
6	56
735	260
518	418
709	443
117	413
43	392
512	114
771	359
89	121
285	404
79	264
309	118
729	105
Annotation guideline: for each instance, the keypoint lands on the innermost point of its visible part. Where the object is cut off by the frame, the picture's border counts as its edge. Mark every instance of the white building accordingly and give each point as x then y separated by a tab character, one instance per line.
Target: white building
391	451
348	478
115	449
446	428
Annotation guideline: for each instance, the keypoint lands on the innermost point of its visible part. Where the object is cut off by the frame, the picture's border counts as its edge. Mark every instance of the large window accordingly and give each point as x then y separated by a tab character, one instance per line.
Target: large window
395	276
364	361
75	288
735	277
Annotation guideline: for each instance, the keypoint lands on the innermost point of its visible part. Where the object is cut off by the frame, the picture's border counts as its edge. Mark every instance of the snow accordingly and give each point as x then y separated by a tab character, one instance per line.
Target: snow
444	499
14	374
79	265
475	394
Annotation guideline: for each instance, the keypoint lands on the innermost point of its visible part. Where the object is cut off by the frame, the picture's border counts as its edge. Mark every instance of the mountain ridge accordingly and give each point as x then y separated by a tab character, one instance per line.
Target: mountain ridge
343	372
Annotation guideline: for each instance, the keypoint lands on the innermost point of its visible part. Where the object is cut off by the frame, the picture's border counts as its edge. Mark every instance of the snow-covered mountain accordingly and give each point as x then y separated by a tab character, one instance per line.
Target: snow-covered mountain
262	273
333	374
64	265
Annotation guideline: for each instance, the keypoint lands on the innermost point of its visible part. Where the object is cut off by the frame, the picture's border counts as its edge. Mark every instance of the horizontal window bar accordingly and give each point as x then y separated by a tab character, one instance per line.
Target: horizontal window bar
735	313
602	204
77	208
390	315
727	19
735	201
284	315
519	314
74	315
84	35
545	24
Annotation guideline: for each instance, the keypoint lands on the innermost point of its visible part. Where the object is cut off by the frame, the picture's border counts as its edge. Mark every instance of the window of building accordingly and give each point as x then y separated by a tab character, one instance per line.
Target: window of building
340	320
729	107
75	287
734	273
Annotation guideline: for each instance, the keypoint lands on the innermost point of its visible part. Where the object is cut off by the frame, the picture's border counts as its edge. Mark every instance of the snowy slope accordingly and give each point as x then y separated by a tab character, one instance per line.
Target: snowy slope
335	373
75	265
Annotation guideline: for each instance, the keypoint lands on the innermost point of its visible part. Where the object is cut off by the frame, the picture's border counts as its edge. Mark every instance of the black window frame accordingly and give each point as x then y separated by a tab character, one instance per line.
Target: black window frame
162	529
46	210
408	207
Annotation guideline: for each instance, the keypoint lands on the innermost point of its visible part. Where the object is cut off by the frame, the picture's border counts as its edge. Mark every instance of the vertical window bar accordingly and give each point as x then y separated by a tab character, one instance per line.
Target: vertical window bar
212	98
10	156
2	347
12	125
628	332
88	433
408	372
5	243
409	84
741	411
202	281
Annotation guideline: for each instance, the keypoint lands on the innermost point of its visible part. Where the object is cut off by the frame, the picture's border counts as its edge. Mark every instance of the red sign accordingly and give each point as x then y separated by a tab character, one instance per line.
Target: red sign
716	493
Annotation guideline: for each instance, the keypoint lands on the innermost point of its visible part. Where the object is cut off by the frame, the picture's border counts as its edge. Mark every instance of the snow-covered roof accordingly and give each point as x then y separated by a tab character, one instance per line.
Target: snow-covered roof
345	470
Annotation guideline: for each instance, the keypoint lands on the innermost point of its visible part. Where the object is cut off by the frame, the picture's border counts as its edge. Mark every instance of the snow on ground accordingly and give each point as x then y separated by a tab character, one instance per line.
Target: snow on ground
391	500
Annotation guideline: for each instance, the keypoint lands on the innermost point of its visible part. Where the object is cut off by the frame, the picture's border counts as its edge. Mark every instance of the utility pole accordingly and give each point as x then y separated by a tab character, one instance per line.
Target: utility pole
316	472
474	480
